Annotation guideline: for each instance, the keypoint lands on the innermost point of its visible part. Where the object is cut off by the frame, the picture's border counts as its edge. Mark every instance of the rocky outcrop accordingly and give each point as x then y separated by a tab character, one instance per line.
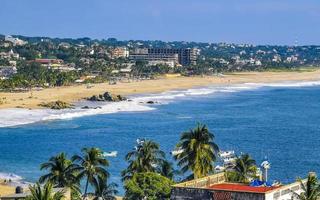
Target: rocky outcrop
57	105
107	96
87	107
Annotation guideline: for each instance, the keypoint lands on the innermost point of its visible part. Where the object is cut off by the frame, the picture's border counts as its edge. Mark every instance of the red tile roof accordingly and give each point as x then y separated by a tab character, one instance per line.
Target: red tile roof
47	61
241	188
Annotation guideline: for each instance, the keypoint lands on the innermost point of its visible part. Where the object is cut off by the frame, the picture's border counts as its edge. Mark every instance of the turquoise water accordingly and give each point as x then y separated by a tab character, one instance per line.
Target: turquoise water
280	123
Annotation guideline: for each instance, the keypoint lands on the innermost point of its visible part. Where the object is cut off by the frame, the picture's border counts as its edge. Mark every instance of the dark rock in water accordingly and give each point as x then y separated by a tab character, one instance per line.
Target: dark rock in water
93	98
121	98
85	107
57	105
150	102
107	96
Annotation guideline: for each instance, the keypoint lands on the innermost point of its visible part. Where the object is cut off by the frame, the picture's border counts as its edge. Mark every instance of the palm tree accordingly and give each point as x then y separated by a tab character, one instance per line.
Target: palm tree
167	170
198	151
146	157
91	165
103	190
311	189
244	168
60	171
44	193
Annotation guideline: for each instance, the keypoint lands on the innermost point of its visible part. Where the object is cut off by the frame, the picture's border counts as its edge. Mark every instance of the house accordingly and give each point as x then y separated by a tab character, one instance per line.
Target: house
216	187
50	63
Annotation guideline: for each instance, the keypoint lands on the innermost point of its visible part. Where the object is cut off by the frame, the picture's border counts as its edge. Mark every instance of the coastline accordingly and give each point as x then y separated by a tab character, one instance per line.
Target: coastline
72	94
138	101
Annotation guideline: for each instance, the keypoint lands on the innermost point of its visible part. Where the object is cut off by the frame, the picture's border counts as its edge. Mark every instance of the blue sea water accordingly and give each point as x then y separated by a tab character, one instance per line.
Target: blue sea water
279	123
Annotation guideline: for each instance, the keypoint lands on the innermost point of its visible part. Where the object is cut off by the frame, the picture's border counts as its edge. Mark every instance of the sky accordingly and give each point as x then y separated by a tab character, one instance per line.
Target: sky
232	21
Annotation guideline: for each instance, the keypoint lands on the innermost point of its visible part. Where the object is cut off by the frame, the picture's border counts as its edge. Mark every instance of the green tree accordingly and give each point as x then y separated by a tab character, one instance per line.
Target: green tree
103	190
167	170
91	165
44	193
61	173
147	186
146	157
243	170
311	189
198	151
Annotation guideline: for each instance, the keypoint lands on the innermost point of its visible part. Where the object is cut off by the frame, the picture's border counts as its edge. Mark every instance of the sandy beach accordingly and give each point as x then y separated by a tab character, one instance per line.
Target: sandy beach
75	93
6	189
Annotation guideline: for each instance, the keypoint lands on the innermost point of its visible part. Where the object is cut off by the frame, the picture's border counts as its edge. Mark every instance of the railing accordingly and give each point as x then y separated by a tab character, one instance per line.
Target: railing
287	189
203	182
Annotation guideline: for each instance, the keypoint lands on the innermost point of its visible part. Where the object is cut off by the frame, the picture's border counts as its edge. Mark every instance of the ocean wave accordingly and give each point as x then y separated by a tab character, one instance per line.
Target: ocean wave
14	180
16	117
285	84
10	176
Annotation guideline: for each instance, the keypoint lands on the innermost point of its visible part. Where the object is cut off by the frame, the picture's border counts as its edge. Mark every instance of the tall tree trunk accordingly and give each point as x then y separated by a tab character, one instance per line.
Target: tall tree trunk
86	188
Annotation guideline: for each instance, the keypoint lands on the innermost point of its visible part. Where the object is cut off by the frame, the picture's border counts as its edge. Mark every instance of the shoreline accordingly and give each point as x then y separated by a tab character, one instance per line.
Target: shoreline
73	94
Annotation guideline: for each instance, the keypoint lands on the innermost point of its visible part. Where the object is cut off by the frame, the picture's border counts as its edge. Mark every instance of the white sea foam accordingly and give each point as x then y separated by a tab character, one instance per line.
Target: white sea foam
15	117
286	84
10	176
14	180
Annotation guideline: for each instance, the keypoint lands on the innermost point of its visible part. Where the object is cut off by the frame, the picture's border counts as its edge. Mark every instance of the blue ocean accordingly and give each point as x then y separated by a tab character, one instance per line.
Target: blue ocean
280	122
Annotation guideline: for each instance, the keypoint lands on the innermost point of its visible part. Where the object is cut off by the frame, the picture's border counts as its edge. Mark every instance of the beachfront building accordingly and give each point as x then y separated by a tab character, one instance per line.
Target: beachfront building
216	187
179	56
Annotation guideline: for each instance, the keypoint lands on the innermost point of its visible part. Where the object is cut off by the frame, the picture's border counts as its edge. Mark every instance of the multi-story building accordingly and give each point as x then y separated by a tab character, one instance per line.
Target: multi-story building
183	57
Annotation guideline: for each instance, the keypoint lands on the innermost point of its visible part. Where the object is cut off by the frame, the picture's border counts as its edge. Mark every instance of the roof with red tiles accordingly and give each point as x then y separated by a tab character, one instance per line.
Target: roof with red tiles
242	188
